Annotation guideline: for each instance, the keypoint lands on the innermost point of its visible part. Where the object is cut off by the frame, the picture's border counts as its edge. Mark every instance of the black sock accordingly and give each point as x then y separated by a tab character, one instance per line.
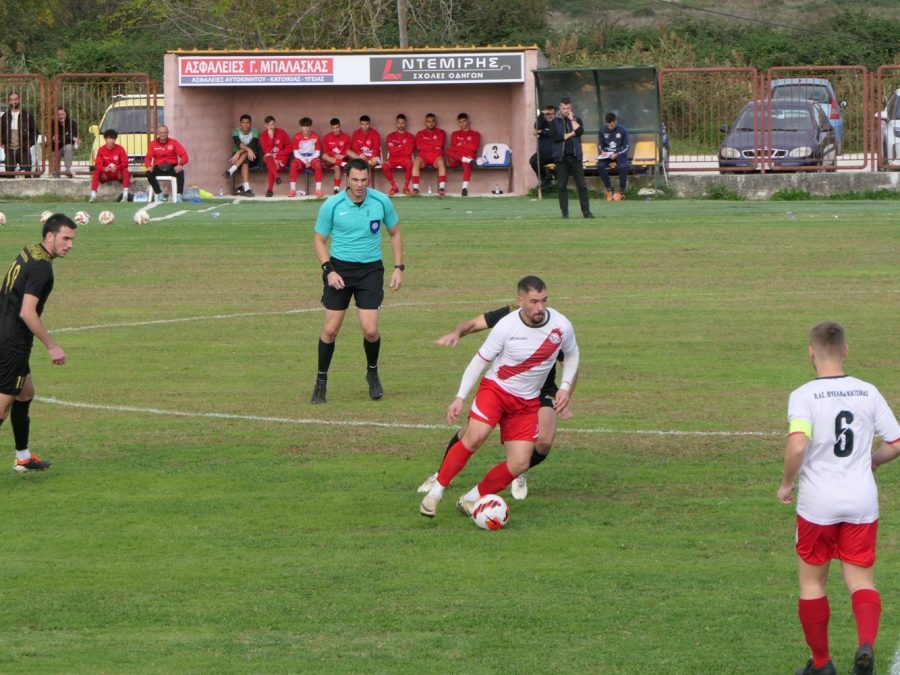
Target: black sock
453	441
21	423
326	351
372	349
536	458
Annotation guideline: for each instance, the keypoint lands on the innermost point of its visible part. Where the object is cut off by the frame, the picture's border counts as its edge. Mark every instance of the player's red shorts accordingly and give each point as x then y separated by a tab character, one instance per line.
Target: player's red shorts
429	158
518	417
852	543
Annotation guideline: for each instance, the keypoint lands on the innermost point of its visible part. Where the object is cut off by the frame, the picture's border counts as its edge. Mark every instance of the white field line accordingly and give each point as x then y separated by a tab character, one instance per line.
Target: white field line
895	665
361	423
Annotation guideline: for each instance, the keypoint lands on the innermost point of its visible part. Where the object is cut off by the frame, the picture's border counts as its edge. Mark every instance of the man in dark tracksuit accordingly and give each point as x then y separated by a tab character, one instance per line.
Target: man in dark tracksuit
568	156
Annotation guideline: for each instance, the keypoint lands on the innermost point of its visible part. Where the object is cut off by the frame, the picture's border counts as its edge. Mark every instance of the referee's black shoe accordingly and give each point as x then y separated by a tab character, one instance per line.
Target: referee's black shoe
318	395
375	390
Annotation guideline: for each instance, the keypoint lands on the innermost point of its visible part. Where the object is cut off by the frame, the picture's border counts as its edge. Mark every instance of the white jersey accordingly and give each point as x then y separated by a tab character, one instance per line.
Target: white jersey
522	355
841	416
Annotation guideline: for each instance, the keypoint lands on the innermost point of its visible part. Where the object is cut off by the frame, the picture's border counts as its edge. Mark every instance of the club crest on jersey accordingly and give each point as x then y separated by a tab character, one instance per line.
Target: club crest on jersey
374	226
555	336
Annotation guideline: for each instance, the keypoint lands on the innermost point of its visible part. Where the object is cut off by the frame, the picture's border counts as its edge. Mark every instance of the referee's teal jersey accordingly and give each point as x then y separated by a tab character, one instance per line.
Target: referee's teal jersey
355	229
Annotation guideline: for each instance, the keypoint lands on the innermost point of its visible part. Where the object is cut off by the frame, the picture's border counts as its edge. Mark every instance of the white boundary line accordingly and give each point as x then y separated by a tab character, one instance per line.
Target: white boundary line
362	423
895	665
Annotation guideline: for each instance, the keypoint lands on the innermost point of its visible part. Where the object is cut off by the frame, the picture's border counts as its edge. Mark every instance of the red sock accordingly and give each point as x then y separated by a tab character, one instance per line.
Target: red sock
337	182
453	463
867	612
814	615
496	480
442	180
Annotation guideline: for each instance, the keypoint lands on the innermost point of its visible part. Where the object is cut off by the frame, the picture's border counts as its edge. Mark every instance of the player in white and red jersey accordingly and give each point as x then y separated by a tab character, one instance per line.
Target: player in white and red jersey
335	146
430	143
307	150
111	165
463	150
833	422
365	143
399	145
521	348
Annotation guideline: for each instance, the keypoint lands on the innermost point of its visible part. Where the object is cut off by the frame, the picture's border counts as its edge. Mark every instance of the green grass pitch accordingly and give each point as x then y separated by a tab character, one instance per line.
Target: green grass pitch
202	516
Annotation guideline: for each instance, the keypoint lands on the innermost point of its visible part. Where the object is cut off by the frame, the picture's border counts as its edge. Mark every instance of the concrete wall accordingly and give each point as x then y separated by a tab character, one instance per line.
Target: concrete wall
202	119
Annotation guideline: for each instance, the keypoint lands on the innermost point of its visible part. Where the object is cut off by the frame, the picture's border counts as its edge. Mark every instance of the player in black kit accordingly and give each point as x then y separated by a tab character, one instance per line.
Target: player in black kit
23	293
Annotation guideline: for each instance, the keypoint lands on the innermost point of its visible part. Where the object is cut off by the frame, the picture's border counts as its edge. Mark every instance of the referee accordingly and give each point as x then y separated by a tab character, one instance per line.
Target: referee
23	293
352	267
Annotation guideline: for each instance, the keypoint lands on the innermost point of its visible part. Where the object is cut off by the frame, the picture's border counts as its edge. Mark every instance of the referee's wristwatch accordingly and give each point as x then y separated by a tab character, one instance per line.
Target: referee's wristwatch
402	268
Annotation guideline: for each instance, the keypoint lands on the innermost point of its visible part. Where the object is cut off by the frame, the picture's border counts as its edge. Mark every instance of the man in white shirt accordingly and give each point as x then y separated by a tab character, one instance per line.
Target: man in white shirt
833	421
521	348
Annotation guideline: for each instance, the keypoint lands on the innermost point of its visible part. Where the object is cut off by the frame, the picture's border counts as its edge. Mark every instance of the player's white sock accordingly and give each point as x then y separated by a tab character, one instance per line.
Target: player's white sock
472	495
437	490
246	186
293	185
26	453
93	194
124	192
232	169
318	185
442	185
415	186
465	184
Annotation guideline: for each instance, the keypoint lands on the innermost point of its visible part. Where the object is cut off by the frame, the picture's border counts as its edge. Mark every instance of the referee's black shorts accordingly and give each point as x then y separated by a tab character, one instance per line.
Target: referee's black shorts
362	281
14	368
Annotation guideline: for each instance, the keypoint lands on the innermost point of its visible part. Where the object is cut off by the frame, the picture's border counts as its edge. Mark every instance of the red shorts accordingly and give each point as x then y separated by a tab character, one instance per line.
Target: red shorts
518	417
852	543
429	158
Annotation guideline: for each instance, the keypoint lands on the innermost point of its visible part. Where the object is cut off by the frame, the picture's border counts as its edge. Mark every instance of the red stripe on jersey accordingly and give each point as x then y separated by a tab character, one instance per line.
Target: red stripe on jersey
545	351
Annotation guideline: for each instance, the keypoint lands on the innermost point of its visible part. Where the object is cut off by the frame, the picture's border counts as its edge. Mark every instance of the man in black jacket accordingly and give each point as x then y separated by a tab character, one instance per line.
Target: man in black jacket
543	129
18	132
569	159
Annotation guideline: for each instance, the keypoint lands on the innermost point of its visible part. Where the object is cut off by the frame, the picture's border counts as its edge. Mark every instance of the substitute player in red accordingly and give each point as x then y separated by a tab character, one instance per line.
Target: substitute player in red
463	150
166	157
276	148
23	294
307	151
365	143
833	421
400	145
521	348
430	143
335	148
111	165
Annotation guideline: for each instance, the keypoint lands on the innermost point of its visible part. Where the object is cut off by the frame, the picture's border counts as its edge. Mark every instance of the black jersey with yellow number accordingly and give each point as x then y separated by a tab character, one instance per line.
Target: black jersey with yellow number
31	273
491	318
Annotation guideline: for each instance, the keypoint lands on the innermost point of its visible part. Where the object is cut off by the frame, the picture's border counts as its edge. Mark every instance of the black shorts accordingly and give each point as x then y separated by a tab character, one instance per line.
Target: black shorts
362	281
548	397
14	369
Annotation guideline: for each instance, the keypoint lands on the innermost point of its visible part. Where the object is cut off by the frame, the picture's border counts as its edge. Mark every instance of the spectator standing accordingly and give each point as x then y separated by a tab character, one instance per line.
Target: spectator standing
613	148
569	158
245	153
307	151
463	150
430	143
543	129
166	157
111	165
335	148
276	148
18	132
400	144
64	142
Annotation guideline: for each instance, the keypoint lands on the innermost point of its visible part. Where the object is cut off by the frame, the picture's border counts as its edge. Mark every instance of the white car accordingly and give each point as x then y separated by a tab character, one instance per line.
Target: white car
890	130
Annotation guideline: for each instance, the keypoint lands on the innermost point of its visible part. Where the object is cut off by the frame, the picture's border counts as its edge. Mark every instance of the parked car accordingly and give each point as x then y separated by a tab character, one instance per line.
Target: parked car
814	89
789	133
890	130
132	116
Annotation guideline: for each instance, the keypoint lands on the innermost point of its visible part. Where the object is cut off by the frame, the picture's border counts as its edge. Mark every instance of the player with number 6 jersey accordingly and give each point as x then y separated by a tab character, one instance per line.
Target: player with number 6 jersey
833	422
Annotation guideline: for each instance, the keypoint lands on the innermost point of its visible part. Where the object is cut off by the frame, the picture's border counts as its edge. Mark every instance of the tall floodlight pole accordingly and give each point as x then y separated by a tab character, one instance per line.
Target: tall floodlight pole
401	22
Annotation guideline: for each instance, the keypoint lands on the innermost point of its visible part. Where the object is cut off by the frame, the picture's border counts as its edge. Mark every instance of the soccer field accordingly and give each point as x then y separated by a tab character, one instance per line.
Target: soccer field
202	516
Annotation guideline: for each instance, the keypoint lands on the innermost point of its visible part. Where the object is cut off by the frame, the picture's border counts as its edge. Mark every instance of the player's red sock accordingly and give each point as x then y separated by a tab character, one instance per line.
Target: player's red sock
814	615
867	612
337	182
496	480
453	463
442	180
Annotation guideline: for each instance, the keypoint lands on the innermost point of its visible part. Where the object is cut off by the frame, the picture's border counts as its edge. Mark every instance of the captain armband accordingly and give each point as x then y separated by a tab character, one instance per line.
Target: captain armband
800	426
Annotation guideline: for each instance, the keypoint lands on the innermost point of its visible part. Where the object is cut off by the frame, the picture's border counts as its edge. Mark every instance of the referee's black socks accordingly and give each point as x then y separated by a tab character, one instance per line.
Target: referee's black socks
326	351
372	349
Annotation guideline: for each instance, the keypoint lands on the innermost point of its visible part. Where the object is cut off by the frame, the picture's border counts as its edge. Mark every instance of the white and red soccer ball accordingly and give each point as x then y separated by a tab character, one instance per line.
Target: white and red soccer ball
82	218
141	217
2	218
106	217
45	216
491	512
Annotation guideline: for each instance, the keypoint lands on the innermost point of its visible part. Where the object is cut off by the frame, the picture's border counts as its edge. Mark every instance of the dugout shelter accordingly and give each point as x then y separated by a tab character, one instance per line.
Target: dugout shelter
207	91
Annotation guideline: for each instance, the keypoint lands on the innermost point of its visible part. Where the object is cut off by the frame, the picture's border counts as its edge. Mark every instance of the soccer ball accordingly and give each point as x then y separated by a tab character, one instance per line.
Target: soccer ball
2	218
141	217
106	217
82	218
45	216
490	513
